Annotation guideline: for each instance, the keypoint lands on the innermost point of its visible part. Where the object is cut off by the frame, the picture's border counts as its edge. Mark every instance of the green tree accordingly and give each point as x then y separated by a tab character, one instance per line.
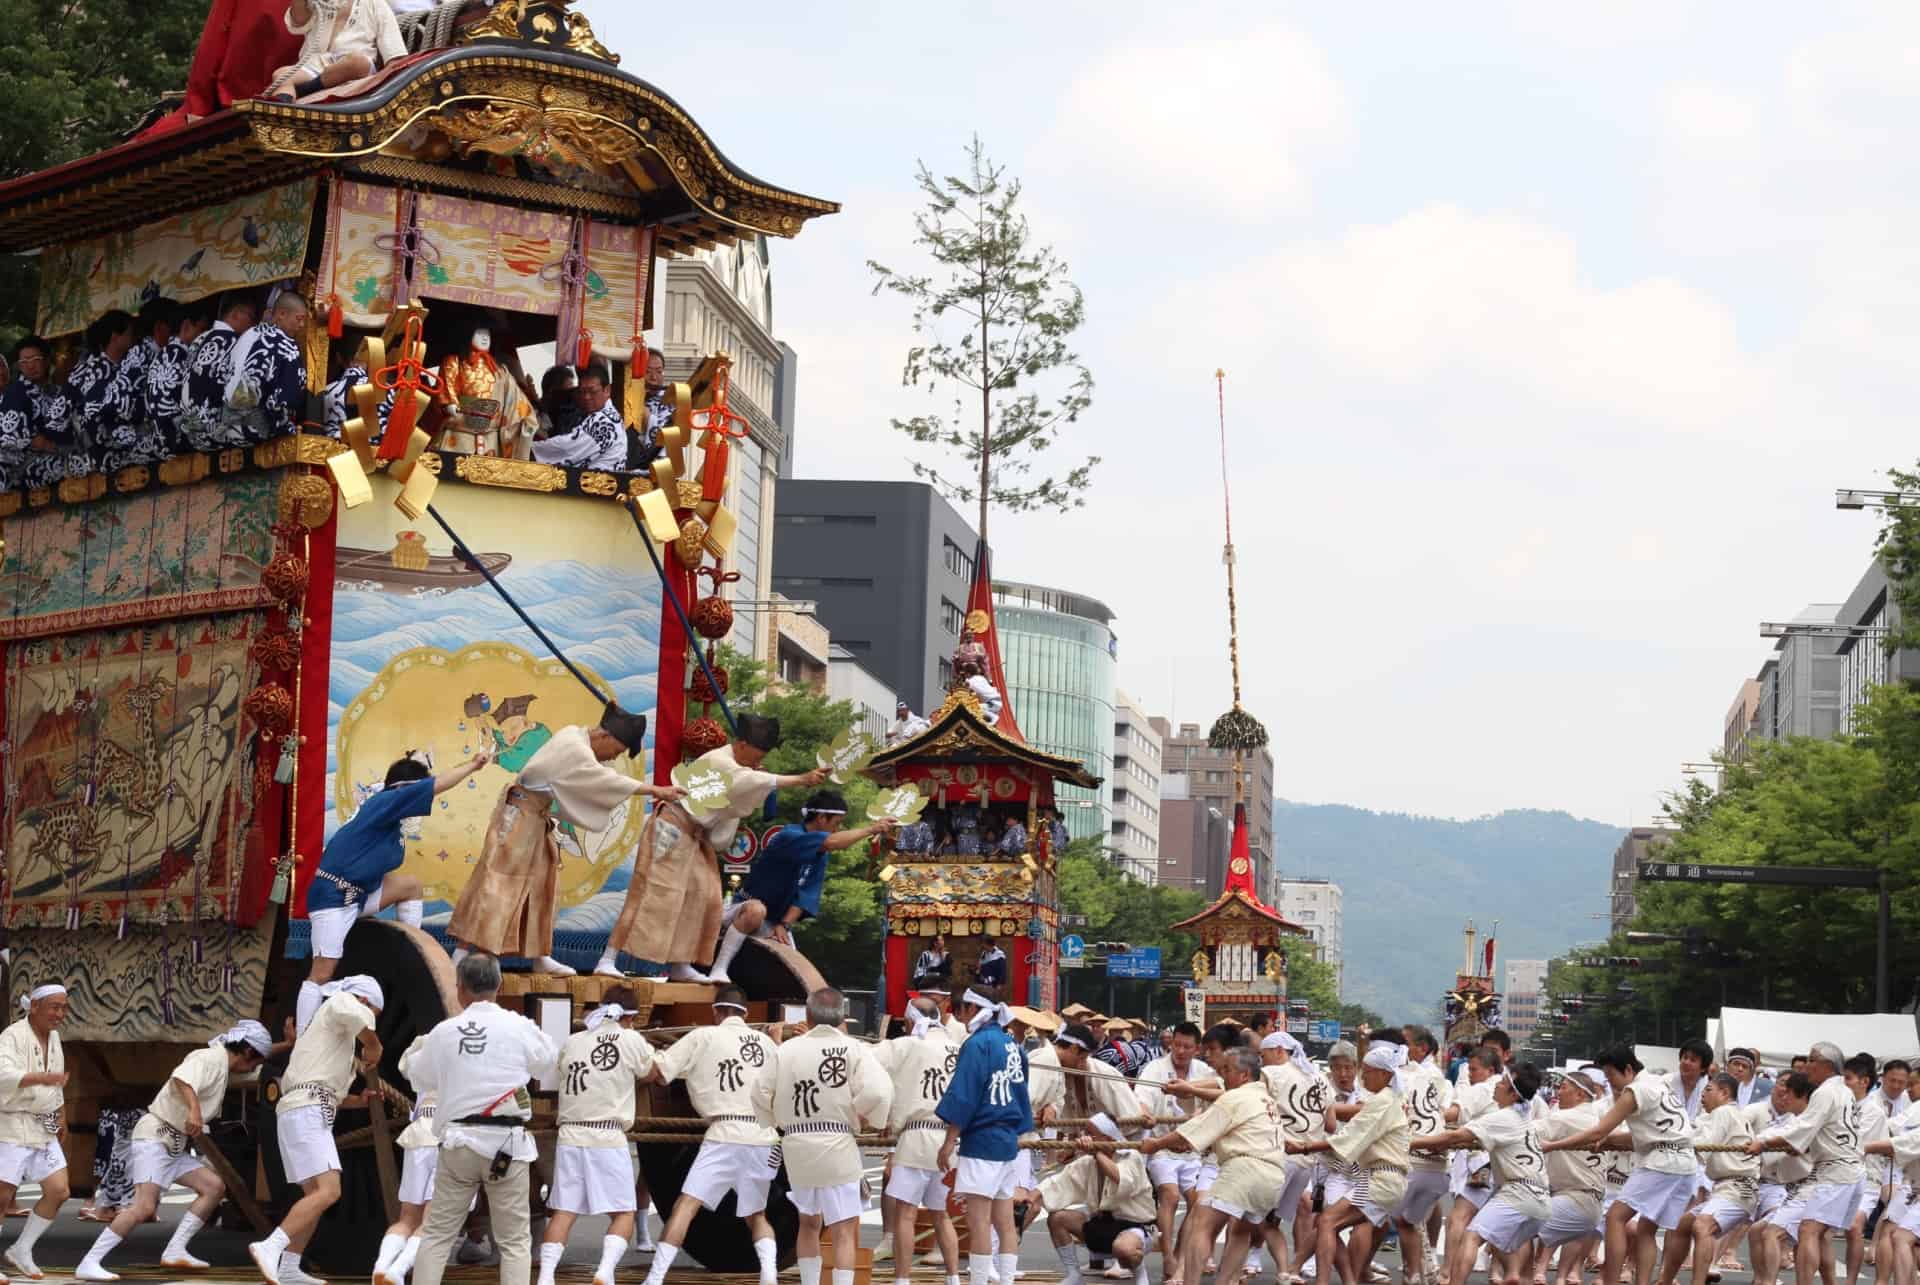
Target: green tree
993	322
79	73
1120	909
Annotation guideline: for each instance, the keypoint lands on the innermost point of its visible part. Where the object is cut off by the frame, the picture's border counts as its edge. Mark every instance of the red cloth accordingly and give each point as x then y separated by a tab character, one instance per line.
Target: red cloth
242	45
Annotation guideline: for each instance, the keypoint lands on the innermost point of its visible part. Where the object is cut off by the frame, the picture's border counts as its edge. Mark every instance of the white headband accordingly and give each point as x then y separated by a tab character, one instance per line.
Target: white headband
1275	1040
1104	1123
727	1003
823	812
1064	1038
39	993
998	1013
359	985
247	1032
611	1013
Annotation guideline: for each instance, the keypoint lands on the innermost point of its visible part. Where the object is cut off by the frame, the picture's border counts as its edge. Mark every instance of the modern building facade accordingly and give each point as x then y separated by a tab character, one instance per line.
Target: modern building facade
1800	690
1209	774
888	566
1318	906
1643	843
1522	997
721	300
1058	649
1196	839
872	700
1134	791
1866	618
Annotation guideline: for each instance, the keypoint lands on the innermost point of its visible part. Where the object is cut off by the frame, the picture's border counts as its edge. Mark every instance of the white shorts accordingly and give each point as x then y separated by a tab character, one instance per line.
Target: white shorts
1424	1189
1663	1197
740	1167
1828	1203
329	928
1475	1196
1505	1226
148	1162
30	1164
592	1180
1024	1178
764	932
1336	1187
306	1143
1209	1174
1299	1181
924	1188
1772	1196
995	1178
831	1205
1171	1169
1909	1219
1726	1214
1232	1210
1573	1218
418	1168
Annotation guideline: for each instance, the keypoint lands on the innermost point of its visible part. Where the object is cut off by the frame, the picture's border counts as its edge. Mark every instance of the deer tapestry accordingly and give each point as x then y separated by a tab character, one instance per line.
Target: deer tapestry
125	763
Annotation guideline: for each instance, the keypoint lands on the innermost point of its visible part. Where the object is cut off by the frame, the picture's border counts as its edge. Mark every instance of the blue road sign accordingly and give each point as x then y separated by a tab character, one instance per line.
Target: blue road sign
1144	962
1072	947
1324	1032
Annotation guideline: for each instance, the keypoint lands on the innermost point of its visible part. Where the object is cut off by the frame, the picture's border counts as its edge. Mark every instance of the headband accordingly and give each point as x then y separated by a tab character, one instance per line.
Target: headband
1384	1055
922	1023
359	985
1296	1051
727	1003
1104	1123
1064	1038
1594	1080
823	812
611	1013
247	1032
998	1013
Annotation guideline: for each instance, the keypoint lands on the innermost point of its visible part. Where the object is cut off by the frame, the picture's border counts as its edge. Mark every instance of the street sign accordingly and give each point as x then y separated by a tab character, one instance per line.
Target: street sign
1323	1032
1194	1000
1298	1025
1073	961
1074	921
1072	947
1818	876
1143	961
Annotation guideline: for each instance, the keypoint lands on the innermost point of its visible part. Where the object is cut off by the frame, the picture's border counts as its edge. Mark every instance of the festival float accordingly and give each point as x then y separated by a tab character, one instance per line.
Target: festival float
211	659
1472	1006
978	777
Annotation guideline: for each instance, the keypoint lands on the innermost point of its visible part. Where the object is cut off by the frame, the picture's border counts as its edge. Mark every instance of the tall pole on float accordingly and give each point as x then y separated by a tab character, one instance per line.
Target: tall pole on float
1233	601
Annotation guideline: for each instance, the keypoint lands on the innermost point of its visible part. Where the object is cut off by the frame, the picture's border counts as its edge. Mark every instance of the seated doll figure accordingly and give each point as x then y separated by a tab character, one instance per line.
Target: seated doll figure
341	41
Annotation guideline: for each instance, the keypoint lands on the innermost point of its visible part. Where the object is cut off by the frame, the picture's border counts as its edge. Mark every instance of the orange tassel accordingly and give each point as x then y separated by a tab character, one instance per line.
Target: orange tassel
586	348
637	361
336	318
713	471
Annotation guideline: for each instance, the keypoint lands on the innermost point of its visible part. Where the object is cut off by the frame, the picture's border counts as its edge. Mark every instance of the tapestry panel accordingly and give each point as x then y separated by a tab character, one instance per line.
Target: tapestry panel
153	984
617	264
364	230
492	256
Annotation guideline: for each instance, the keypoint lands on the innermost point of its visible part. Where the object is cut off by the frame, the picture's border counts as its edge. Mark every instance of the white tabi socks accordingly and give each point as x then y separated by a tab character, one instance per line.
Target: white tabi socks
729	947
1069	1263
663	1256
93	1267
549	1260
410	912
611	1250
391	1246
768	1253
809	1270
176	1254
979	1269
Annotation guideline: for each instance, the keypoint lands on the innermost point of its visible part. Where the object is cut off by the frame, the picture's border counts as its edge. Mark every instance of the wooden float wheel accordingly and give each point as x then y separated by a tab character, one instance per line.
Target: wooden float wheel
417	979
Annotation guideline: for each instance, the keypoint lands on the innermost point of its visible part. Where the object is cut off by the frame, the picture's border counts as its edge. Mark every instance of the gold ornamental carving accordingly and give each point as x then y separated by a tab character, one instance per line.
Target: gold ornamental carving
540	22
599	484
520	475
1202	965
132	478
540	135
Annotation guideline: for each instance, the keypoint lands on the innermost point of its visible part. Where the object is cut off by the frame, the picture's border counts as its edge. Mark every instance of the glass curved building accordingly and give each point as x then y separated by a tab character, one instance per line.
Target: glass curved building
1058	649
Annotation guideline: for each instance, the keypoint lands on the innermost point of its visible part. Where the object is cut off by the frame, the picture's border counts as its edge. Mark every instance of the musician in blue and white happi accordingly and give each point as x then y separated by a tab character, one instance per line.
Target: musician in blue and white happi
600	1069
203	414
986	1109
106	433
162	1155
267	390
165	374
31	407
599	441
783	887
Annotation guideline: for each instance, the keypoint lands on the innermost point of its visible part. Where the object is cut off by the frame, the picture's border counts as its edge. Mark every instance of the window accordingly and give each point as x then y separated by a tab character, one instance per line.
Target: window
946	673
958	560
951	616
784	583
858	646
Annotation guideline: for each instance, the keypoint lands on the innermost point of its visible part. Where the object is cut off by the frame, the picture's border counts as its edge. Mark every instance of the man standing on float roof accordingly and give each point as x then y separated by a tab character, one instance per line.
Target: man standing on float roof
672	911
507	906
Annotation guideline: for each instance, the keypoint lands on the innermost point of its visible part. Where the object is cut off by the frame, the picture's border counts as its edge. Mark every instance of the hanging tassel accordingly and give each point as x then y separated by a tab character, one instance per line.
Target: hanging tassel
73	918
336	318
227	972
586	351
121	935
198	947
278	895
283	771
637	362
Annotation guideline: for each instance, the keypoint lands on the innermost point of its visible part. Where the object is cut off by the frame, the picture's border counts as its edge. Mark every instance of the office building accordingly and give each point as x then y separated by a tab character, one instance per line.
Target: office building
888	566
721	300
1643	843
1522	998
1057	648
1800	690
1209	774
872	700
1196	839
1135	791
1865	619
1316	905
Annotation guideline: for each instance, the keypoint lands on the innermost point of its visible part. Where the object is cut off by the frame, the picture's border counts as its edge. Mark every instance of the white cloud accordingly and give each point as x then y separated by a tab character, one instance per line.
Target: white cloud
1708	115
1229	123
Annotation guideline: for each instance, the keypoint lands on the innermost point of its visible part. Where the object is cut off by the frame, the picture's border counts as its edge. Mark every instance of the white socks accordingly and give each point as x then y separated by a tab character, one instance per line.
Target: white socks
22	1249
1004	1267
609	965
410	911
94	1264
1140	1273
642	1229
688	973
809	1270
549	1259
400	1266
391	1246
289	1264
1069	1263
843	1276
306	1006
611	1248
952	1279
663	1257
765	1250
176	1250
979	1268
729	947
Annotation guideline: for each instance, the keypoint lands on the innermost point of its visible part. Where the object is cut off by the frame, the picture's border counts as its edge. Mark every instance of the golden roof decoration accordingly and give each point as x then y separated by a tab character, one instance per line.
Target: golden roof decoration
958	730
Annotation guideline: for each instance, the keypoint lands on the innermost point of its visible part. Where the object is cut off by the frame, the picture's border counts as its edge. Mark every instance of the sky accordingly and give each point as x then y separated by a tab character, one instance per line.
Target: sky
1549	332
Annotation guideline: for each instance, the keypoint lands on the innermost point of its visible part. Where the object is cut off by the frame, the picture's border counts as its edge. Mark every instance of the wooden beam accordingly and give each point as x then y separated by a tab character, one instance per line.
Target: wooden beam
383	1148
239	1191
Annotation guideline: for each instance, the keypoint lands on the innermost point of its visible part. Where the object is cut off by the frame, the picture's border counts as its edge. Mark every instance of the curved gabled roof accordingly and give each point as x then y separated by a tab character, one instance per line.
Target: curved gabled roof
960	735
512	100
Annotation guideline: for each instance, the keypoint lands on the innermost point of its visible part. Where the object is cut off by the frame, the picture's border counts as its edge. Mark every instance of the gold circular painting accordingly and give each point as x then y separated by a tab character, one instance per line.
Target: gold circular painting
446	707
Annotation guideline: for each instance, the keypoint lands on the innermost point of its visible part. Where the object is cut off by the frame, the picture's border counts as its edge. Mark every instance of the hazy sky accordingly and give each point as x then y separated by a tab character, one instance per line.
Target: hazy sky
1549	332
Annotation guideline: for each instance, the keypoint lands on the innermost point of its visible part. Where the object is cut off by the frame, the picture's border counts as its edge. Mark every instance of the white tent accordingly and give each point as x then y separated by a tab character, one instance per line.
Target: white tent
1778	1036
1661	1061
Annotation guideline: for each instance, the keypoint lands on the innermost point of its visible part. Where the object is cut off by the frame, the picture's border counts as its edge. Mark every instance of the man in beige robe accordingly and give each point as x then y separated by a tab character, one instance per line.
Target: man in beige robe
672	912
508	904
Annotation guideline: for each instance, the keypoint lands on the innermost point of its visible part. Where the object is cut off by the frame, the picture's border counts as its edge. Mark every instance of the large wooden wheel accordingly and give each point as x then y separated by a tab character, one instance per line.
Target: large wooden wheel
417	978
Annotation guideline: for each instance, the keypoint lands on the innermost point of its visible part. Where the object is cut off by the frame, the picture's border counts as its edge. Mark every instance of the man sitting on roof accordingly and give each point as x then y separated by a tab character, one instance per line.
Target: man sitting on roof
906	724
342	40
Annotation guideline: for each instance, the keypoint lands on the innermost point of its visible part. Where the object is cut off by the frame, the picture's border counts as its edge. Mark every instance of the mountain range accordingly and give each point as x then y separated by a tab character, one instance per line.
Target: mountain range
1410	883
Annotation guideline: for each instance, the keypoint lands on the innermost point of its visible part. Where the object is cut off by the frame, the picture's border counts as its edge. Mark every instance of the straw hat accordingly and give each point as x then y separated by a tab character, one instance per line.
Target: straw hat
1075	1012
1037	1019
